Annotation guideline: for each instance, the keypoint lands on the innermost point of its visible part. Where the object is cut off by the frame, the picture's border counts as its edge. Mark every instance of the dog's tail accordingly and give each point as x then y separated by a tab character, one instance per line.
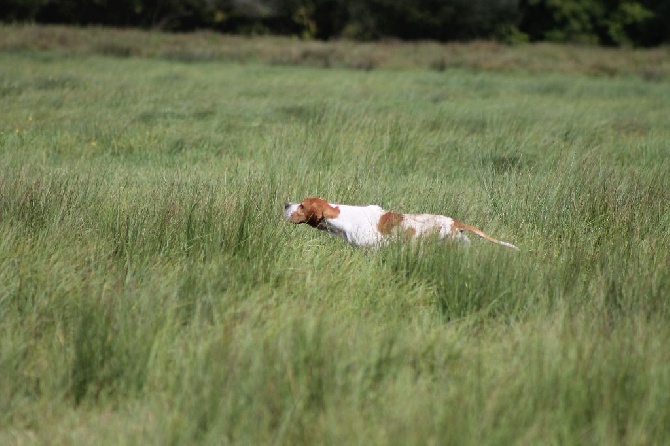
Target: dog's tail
464	226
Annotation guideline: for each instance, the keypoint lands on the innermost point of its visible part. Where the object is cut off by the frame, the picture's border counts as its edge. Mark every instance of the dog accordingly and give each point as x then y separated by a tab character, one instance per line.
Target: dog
372	225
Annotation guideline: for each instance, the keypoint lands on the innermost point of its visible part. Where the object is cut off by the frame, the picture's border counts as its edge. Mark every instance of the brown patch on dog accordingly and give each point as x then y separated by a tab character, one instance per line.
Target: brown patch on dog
388	222
313	210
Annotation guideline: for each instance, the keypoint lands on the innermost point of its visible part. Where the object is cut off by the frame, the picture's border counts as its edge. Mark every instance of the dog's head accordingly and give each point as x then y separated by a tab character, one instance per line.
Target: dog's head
311	211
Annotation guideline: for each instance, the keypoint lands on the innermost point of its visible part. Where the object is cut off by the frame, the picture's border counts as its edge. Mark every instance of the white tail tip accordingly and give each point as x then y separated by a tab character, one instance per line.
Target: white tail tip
509	245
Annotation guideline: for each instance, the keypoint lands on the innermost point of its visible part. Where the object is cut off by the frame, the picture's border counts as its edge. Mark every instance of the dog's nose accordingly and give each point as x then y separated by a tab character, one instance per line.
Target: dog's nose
287	205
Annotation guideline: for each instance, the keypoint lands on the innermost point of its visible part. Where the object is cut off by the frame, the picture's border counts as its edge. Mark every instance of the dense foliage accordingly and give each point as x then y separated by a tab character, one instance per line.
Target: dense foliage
610	22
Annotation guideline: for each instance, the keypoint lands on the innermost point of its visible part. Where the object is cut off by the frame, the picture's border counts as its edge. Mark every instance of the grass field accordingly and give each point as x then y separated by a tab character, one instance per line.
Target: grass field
150	292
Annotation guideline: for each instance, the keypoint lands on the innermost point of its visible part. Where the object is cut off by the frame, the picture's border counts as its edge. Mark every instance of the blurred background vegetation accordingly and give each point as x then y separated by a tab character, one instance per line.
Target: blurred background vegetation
605	22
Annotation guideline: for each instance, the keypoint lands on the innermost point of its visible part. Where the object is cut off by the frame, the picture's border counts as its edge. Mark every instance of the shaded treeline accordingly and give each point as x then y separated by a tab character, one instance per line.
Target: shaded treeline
607	22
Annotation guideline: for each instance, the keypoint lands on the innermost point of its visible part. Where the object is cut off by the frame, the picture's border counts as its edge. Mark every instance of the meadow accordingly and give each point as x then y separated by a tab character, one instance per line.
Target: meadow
151	293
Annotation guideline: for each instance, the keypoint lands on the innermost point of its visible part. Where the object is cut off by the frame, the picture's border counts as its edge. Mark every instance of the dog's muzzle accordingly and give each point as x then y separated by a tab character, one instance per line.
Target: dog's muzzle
289	208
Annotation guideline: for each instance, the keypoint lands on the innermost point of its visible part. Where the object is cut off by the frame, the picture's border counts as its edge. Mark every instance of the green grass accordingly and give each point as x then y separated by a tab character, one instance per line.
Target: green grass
150	292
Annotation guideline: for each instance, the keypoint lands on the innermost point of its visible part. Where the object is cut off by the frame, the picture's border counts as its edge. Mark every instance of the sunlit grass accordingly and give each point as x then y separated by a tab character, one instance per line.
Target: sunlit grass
151	293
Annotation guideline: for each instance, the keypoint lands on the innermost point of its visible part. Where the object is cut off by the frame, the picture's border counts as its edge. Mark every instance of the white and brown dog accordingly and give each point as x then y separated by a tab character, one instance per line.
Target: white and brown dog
372	225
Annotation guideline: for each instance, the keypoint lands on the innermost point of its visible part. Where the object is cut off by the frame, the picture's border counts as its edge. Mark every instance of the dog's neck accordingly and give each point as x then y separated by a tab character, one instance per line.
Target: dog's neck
355	224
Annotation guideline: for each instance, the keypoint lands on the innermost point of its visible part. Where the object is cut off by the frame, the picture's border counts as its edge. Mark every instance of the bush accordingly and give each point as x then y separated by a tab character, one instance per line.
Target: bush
607	22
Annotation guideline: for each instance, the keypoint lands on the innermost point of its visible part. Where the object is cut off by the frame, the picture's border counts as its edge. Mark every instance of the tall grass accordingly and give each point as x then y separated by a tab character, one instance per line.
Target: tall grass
151	293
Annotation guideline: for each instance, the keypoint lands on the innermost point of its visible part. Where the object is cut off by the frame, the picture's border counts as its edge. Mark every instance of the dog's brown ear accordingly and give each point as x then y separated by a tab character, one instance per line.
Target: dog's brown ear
316	209
331	211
